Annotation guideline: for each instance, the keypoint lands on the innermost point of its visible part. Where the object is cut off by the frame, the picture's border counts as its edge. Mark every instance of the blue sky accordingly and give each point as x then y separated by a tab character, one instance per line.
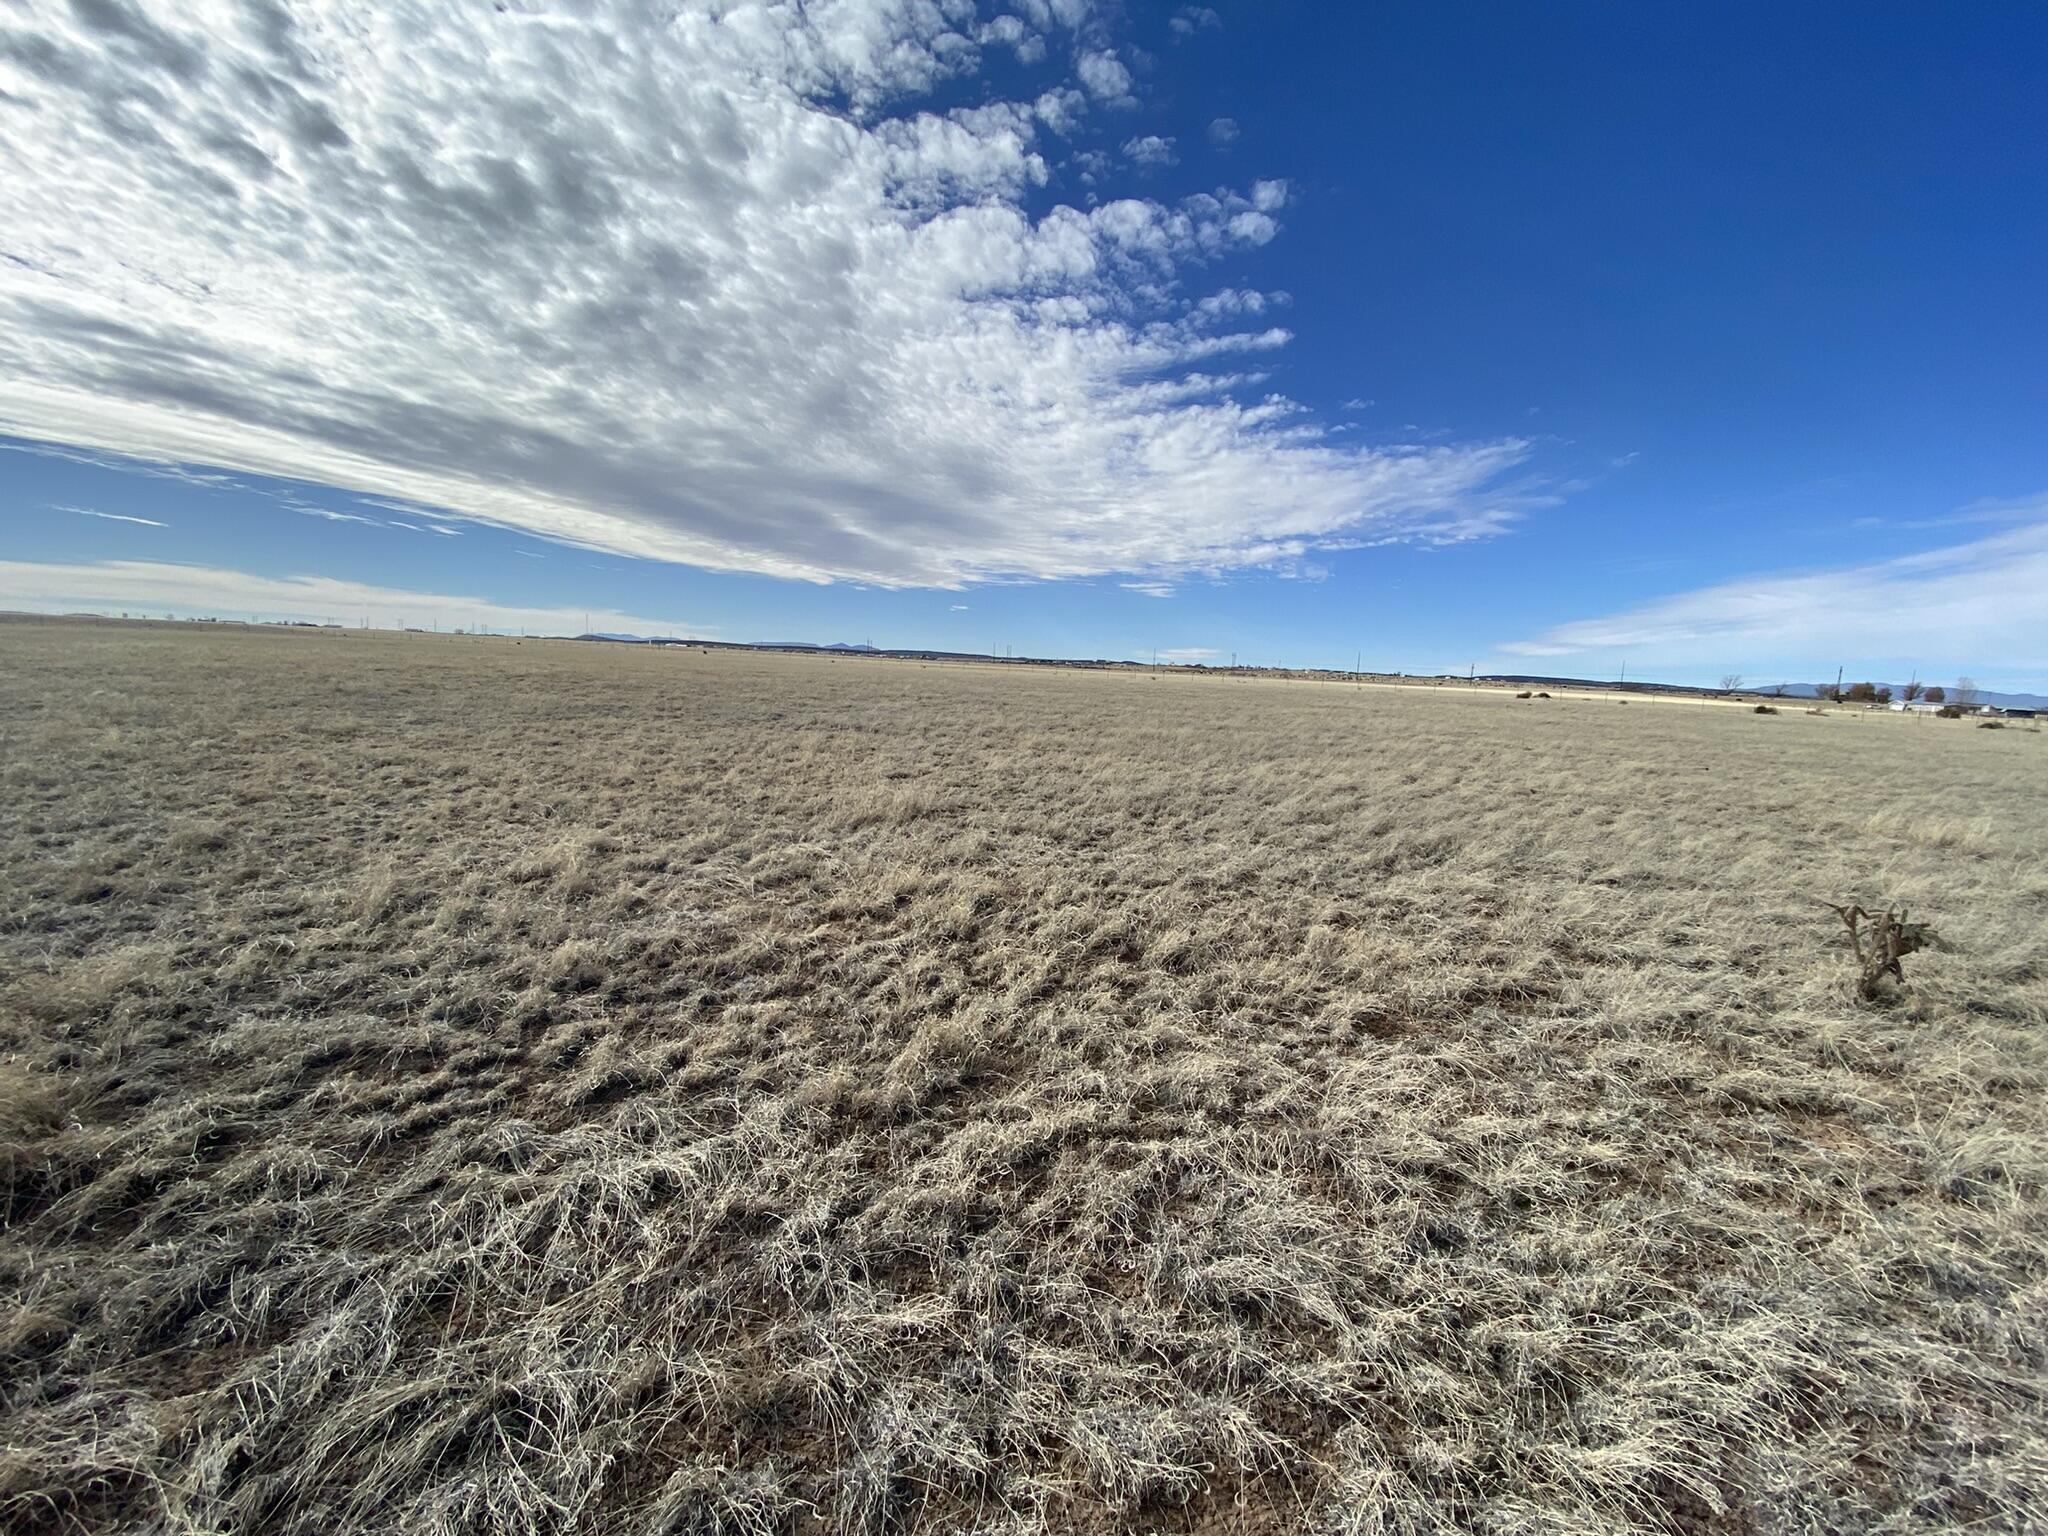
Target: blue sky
1530	337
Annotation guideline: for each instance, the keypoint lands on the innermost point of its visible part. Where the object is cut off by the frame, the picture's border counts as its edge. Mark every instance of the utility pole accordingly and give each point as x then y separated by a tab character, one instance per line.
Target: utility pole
1838	684
1357	666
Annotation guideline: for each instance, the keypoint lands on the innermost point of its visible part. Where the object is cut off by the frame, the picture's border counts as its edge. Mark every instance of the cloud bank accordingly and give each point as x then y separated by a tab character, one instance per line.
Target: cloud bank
1980	607
692	282
150	587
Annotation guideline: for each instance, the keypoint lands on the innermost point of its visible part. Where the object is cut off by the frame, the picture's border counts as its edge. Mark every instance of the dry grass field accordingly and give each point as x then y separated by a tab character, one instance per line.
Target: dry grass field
460	1085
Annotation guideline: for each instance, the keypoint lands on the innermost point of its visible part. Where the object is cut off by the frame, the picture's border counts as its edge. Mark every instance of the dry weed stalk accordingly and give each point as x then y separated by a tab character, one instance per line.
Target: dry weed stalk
1881	946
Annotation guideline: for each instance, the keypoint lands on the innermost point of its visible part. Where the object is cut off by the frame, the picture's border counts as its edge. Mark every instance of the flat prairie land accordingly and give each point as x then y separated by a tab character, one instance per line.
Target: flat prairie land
460	1085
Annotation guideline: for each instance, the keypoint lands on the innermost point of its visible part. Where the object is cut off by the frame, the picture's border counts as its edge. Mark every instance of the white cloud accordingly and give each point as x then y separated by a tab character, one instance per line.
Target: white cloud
958	608
1224	132
1151	151
112	517
1190	19
1980	607
1185	654
333	516
738	303
1229	303
1011	31
1061	110
1358	403
1105	76
1148	588
184	473
205	591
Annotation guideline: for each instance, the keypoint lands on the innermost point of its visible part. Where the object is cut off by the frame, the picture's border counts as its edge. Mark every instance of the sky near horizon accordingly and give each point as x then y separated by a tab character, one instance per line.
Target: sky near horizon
1540	338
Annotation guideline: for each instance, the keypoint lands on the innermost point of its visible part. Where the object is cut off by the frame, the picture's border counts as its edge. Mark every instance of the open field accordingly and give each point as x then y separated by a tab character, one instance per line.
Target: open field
463	1085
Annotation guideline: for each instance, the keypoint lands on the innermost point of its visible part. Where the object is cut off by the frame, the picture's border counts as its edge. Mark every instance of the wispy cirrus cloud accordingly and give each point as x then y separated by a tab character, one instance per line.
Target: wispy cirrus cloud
209	591
750	304
209	479
112	517
1979	607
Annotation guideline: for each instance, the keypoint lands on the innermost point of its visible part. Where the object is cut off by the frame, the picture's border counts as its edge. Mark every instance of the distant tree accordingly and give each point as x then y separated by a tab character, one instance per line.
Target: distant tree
1730	681
1937	694
1862	693
1911	690
1884	695
1965	692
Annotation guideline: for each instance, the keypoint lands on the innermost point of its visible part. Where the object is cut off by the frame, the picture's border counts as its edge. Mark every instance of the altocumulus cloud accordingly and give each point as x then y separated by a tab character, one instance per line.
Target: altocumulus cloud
692	282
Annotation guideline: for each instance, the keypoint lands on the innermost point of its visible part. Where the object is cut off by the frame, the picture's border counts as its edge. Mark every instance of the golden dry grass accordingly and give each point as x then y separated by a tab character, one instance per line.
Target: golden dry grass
452	1085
